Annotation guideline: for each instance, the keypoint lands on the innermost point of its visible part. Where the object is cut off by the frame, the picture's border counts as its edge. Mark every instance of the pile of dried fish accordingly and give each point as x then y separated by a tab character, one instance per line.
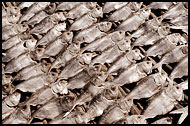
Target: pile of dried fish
94	63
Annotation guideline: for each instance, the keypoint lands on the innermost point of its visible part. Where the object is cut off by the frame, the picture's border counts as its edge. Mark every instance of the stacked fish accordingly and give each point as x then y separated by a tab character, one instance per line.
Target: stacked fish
94	63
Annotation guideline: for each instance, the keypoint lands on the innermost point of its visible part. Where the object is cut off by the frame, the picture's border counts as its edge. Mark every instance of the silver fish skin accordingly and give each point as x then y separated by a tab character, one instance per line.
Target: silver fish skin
79	81
134	73
59	44
132	23
14	40
35	83
37	18
89	19
125	61
65	56
116	111
48	23
94	32
182	20
33	9
180	70
174	55
106	42
160	5
165	45
19	49
124	12
148	86
165	120
17	64
107	56
67	5
80	10
12	30
132	119
165	101
151	38
49	110
19	116
25	4
30	71
10	20
9	103
150	25
77	65
110	6
175	11
52	34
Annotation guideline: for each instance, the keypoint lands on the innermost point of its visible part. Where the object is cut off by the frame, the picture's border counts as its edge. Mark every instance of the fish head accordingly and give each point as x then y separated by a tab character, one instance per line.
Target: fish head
124	44
67	36
21	28
136	54
61	26
111	93
58	16
175	92
117	36
13	99
184	49
104	26
146	66
97	12
60	87
31	43
144	13
87	57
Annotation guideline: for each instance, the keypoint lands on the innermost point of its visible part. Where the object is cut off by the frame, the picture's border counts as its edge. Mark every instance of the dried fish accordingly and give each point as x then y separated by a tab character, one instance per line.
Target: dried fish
152	37
41	96
184	114
31	71
173	56
14	40
132	119
52	34
77	65
132	23
165	120
133	73
89	19
39	81
12	30
17	64
19	49
80	10
9	103
19	116
32	10
175	11
10	20
49	110
60	87
148	86
67	5
124	12
180	21
116	111
184	85
166	44
125	61
48	23
107	41
160	5
181	69
164	102
70	52
92	33
37	18
110	6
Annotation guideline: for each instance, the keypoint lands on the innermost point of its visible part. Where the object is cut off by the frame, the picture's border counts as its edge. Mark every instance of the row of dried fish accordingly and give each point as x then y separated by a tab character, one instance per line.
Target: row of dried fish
95	70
